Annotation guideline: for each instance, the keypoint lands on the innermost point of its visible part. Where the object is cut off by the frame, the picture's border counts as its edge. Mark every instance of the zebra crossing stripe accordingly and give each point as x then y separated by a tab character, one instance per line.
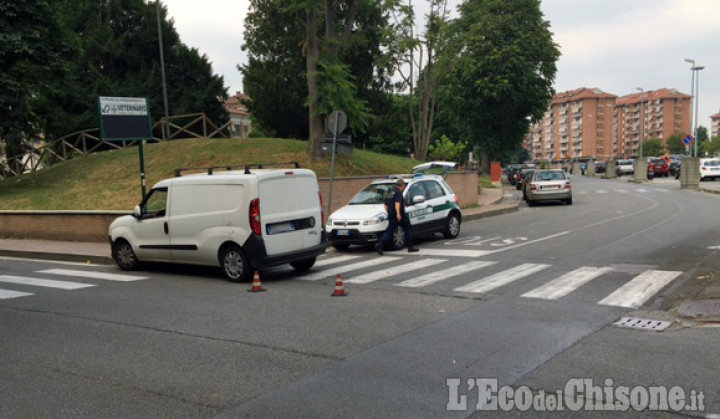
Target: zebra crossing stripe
567	283
434	277
352	267
502	278
452	252
7	294
639	289
334	260
93	275
38	282
601	191
395	270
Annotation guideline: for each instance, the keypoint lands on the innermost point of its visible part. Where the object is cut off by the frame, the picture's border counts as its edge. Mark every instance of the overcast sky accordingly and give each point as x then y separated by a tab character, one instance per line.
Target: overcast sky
614	45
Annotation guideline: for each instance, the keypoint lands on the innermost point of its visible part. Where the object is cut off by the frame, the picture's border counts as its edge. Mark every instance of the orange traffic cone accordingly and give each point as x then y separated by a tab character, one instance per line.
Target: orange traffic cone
256	285
339	290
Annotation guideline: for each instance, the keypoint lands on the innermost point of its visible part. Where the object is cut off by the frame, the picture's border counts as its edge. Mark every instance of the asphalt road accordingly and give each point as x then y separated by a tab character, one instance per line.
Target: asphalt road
524	298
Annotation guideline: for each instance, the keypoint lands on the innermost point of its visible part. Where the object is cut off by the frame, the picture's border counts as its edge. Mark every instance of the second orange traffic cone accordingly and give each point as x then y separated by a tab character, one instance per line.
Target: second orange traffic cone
256	285
339	289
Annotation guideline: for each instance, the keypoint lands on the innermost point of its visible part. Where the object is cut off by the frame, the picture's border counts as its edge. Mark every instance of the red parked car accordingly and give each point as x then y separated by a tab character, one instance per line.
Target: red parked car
659	167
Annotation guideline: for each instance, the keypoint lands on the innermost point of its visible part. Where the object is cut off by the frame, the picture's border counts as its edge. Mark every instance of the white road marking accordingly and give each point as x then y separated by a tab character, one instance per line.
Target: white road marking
640	289
434	277
395	270
38	282
451	252
601	191
7	294
93	275
582	192
502	278
641	190
334	260
567	283
314	276
621	191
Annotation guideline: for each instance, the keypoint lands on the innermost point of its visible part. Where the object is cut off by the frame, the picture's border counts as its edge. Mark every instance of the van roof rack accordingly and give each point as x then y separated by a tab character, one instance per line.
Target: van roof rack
262	165
247	167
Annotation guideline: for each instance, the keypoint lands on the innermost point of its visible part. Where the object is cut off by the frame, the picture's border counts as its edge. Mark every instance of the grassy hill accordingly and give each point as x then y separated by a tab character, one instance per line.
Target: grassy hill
110	180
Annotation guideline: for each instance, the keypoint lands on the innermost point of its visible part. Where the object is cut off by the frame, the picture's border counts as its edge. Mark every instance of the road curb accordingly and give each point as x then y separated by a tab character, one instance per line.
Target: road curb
491	212
63	257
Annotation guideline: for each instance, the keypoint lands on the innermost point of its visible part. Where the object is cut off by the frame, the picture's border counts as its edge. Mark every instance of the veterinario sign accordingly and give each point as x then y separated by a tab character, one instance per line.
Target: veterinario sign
124	118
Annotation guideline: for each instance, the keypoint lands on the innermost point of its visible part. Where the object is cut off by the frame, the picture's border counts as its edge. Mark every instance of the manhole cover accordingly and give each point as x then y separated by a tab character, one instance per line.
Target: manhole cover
643	324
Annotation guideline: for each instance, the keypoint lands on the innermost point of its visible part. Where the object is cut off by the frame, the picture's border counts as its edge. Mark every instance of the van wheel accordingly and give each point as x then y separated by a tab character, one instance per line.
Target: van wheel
398	238
234	264
341	246
124	255
303	265
452	227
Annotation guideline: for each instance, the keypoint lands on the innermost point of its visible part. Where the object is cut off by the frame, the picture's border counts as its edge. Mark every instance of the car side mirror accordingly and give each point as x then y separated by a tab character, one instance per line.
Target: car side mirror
136	212
418	199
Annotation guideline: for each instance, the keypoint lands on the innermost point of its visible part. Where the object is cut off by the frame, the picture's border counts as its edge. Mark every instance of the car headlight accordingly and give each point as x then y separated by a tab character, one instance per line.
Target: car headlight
377	219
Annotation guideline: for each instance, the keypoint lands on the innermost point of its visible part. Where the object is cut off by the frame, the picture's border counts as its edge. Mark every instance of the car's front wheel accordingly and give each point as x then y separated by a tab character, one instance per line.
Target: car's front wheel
124	255
452	226
398	238
234	264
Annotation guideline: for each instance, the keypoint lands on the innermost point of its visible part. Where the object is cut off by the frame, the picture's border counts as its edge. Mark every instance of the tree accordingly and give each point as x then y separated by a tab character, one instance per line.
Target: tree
702	135
111	49
653	147
31	48
445	149
420	55
675	144
349	69
710	148
502	64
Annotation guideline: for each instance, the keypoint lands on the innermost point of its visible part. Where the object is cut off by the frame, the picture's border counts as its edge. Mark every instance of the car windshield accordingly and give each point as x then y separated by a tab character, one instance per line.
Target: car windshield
543	176
657	161
625	162
712	163
376	193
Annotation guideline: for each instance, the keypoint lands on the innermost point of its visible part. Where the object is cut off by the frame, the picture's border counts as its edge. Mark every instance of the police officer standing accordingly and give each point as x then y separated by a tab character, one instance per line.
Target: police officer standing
395	207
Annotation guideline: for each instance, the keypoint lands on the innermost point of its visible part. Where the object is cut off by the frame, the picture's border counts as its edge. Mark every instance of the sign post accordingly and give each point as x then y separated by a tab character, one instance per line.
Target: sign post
126	119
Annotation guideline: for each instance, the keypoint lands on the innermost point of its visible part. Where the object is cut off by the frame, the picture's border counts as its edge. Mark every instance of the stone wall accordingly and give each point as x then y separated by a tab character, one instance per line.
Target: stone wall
93	225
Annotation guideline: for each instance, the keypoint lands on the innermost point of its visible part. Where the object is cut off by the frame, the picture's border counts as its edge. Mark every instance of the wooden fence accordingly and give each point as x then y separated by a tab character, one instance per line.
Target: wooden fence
82	143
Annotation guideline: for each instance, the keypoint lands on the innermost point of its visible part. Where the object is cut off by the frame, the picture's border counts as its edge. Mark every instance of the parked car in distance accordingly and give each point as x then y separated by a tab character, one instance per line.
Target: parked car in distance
521	176
429	203
549	185
600	167
709	169
659	167
510	170
625	167
237	220
674	169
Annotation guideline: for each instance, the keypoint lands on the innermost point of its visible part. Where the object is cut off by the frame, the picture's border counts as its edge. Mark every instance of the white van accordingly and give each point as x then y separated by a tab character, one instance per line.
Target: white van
240	221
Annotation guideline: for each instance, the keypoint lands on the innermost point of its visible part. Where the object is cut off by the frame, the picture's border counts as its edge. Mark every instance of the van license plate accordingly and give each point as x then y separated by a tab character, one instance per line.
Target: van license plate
343	232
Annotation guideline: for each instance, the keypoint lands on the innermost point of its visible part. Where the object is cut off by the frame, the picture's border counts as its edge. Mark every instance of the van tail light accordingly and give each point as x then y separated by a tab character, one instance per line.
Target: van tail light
322	210
255	225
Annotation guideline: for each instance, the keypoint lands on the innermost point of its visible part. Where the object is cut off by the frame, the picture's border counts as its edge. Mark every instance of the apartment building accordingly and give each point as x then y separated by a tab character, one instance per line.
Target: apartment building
654	114
715	126
577	125
588	123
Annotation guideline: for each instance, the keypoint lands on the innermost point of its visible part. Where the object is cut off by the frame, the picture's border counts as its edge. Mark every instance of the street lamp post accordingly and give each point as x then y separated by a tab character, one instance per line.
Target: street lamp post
692	96
697	103
166	131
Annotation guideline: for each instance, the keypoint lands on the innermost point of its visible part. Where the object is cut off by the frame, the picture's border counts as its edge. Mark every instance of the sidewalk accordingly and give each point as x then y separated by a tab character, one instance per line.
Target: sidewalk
99	252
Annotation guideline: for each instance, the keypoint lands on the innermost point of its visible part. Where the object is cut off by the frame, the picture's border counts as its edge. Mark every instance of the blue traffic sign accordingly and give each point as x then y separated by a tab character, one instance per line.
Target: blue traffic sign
688	140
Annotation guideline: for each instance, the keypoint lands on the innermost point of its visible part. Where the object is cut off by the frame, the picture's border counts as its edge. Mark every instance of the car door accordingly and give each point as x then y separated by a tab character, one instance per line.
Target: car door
439	202
152	241
417	212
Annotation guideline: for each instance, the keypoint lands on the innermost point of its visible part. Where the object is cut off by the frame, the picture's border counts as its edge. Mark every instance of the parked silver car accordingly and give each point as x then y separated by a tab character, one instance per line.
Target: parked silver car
548	185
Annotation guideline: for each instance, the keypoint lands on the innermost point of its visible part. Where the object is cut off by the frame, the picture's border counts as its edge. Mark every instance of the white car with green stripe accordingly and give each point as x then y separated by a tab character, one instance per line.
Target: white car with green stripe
430	204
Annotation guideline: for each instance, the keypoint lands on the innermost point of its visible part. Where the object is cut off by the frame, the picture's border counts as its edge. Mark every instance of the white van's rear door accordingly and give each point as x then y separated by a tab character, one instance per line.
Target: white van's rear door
290	212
